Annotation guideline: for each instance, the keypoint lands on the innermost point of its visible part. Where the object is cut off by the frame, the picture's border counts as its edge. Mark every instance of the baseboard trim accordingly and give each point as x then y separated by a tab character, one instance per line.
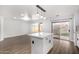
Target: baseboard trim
15	36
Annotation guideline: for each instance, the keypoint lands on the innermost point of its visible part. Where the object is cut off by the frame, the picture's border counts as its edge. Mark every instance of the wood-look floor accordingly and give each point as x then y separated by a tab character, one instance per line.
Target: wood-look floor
16	45
64	47
22	45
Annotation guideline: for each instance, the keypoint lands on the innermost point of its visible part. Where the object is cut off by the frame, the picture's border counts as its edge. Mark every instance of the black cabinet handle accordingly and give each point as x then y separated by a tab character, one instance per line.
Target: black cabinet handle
77	39
49	41
32	42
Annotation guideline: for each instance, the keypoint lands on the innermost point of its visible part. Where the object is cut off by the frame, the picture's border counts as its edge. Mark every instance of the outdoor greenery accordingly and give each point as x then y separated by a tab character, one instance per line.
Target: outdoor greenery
65	34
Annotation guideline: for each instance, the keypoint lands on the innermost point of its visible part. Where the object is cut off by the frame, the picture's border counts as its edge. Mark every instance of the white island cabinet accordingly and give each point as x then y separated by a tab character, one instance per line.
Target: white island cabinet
41	43
78	40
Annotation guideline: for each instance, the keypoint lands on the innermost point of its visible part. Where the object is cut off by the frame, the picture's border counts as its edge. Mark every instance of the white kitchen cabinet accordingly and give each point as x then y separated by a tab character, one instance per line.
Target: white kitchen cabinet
78	40
78	43
41	43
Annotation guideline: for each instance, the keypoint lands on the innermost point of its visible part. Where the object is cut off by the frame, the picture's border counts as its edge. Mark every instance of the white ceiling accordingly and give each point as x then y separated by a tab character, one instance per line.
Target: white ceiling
14	10
64	11
61	10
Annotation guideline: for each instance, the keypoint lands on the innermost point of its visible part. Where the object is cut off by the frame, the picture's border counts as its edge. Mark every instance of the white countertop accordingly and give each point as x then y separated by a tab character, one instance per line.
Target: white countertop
39	34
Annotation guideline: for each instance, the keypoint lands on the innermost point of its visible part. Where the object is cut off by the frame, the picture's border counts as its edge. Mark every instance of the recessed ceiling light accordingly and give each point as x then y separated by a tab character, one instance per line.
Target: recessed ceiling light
41	17
22	14
26	18
44	17
14	17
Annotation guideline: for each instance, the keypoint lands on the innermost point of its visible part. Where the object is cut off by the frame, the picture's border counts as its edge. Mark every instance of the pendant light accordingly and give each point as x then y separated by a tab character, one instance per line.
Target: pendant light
41	15
37	13
36	16
44	16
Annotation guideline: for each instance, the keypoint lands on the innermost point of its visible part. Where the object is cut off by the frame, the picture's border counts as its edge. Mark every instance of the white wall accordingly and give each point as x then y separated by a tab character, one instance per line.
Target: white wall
47	26
71	30
1	28
76	23
14	27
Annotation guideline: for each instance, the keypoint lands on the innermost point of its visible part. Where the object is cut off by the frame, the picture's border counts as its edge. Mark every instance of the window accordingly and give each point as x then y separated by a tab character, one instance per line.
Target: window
41	27
37	27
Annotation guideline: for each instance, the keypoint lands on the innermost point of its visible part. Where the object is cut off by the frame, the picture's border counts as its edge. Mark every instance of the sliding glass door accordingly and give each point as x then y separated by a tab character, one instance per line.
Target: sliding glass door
61	30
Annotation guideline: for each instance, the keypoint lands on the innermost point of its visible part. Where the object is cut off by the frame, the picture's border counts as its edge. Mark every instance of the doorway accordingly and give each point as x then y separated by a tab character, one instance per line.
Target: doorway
61	30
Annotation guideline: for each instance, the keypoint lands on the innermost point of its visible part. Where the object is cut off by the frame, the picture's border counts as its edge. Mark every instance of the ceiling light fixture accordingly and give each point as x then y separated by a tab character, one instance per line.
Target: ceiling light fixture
38	16
14	18
41	17
44	16
26	18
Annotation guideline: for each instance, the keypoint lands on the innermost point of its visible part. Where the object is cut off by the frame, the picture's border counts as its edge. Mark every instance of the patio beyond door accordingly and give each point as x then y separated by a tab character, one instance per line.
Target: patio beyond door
61	30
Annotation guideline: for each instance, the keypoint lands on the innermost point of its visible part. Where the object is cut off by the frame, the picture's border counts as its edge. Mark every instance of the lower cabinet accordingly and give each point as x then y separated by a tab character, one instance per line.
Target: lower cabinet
41	45
78	42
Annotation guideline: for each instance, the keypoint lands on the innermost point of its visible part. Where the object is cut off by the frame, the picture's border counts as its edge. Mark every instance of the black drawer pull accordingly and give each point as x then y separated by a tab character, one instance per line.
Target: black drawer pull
32	42
49	41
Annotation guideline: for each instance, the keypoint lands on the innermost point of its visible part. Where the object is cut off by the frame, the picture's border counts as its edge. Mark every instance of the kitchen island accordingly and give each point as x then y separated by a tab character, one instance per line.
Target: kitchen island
41	42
